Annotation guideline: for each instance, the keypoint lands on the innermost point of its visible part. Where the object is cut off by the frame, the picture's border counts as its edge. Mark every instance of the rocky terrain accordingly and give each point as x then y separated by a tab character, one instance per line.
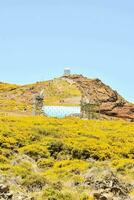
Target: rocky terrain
108	187
17	99
111	103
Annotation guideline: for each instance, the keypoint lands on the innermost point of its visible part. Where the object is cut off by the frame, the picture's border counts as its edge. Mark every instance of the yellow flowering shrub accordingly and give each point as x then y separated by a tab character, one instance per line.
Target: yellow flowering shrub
44	151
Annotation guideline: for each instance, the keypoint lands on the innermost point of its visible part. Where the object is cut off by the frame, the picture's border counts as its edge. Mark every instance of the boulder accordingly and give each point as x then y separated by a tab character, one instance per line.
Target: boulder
5	192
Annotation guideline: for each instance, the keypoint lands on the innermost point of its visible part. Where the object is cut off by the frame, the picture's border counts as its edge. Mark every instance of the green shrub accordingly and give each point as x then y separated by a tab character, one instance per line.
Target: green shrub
80	153
35	151
55	148
52	194
45	163
22	170
123	165
3	159
34	182
85	196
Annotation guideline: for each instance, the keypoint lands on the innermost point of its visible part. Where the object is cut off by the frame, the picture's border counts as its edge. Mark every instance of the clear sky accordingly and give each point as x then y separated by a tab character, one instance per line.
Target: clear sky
38	38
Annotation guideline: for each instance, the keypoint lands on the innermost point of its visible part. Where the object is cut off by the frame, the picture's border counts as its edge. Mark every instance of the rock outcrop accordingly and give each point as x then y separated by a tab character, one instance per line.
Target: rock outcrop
5	192
106	185
64	91
110	188
111	103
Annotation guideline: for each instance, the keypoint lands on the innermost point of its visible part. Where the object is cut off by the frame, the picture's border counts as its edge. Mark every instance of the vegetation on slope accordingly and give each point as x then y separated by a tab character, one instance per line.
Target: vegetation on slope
4	87
50	158
59	91
8	98
64	91
20	98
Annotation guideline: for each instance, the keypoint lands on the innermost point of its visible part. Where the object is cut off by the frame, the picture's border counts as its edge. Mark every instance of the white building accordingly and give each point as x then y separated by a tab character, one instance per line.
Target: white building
67	72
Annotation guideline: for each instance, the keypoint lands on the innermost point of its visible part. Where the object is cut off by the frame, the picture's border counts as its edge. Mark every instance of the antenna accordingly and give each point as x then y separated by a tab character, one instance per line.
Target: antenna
38	102
42	93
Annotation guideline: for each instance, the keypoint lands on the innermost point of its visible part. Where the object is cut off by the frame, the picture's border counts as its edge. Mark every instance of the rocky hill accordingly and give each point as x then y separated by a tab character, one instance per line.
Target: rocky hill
111	103
65	91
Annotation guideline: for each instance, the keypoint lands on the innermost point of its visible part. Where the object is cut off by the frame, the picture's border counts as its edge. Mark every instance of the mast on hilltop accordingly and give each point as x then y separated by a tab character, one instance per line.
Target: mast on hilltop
38	100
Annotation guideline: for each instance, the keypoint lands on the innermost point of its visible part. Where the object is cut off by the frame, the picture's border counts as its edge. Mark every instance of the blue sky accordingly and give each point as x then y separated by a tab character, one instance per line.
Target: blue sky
38	38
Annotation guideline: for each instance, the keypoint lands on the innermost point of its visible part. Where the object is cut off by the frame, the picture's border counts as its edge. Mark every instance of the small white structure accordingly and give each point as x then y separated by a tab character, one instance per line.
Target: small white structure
67	72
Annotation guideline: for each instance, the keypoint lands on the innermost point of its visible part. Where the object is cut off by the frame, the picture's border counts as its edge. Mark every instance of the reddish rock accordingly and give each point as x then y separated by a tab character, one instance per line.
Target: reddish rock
111	103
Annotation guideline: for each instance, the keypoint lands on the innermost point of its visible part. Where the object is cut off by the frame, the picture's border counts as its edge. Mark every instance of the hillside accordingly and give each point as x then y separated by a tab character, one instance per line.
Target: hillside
19	99
111	103
44	158
65	91
65	159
